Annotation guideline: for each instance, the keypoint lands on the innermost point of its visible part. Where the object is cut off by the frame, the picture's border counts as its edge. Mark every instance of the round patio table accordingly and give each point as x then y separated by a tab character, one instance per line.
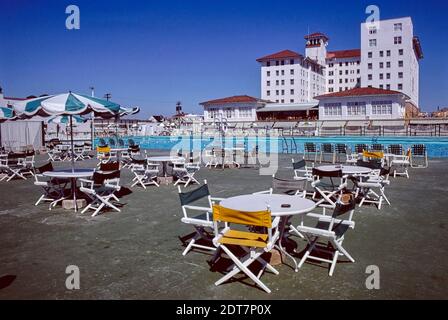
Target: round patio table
260	202
165	160
346	169
71	174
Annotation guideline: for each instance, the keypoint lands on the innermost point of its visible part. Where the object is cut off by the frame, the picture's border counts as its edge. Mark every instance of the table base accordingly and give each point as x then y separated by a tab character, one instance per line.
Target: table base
165	180
69	204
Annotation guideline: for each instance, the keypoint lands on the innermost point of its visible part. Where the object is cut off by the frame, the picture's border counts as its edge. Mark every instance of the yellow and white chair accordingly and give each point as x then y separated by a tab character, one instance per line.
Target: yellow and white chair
254	243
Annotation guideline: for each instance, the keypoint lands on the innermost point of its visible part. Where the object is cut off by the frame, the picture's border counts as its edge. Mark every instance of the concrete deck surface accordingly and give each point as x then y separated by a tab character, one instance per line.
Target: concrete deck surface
136	254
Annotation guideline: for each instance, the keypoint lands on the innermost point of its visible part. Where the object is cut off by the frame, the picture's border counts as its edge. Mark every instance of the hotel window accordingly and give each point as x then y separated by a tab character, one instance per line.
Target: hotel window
330	65
400	75
346	72
372	43
370	66
331	81
330	90
372	30
229	112
398	26
283	92
397	40
340	80
381	76
381	86
340	88
277	82
400	52
283	82
382	107
356	108
291	61
388	53
283	62
282	101
291	101
283	72
340	72
381	65
400	86
388	86
387	76
268	73
370	54
213	113
370	77
400	63
381	54
277	73
388	64
292	81
245	112
346	64
292	92
340	64
277	63
346	80
358	71
268	93
268	64
268	83
277	92
333	109
291	72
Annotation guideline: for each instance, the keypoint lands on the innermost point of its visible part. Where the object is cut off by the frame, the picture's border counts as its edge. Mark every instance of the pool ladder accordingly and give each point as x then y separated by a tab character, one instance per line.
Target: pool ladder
289	147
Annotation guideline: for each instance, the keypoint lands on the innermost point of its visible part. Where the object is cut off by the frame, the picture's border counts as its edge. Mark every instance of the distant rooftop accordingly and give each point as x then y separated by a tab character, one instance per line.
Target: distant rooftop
360	92
285	54
341	54
234	99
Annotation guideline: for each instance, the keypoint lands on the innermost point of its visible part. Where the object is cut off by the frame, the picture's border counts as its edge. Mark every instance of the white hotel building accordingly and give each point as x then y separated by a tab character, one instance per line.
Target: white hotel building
387	60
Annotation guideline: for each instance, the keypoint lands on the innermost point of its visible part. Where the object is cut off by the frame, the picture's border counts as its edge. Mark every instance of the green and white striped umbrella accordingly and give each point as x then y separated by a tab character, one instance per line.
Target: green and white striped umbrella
7	114
67	104
66	119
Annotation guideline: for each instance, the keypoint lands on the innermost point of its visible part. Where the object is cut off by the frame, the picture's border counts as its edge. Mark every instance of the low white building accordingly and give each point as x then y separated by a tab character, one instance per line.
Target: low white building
362	104
232	109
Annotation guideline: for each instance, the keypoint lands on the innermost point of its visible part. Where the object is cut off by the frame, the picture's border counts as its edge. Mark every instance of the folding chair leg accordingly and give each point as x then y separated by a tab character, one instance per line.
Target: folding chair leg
333	263
190	244
42	197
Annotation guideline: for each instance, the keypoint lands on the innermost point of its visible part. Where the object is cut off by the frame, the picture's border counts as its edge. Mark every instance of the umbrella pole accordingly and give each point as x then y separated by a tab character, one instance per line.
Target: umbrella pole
71	143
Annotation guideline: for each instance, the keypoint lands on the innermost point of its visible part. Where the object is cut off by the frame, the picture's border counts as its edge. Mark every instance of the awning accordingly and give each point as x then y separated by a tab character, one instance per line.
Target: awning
284	125
276	107
387	123
333	124
361	123
307	124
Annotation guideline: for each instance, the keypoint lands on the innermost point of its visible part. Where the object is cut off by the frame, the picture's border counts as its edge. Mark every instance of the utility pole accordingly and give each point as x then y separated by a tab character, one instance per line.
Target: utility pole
92	89
107	96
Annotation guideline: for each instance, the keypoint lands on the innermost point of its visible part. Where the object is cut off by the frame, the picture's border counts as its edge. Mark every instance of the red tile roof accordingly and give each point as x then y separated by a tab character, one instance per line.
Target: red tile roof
11	98
360	92
285	54
316	35
233	99
341	54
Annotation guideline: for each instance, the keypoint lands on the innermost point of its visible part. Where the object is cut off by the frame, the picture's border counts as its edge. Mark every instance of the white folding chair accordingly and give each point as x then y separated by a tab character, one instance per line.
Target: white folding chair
327	188
145	175
419	156
185	173
328	234
400	164
11	169
327	149
54	189
371	188
101	191
203	222
254	243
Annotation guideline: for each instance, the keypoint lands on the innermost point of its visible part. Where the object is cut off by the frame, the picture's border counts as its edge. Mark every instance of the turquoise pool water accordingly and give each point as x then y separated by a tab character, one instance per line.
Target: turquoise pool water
437	147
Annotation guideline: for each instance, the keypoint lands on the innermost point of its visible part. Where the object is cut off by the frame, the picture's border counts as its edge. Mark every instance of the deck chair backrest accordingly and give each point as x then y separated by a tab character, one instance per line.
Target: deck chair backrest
134	148
396	149
327	148
287	186
138	161
45	168
121	142
258	219
99	178
419	150
310	147
102	142
110	166
299	165
327	174
192	196
103	149
373	154
111	142
131	142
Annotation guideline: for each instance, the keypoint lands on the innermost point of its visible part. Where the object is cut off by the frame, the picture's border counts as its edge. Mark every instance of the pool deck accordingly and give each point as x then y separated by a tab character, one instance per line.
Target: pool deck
137	253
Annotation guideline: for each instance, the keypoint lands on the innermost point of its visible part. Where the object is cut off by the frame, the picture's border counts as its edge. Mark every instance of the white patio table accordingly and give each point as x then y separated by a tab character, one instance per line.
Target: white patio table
71	174
165	160
350	170
276	202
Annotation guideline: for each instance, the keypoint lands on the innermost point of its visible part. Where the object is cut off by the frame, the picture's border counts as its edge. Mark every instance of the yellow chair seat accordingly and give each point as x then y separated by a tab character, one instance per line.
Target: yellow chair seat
243	238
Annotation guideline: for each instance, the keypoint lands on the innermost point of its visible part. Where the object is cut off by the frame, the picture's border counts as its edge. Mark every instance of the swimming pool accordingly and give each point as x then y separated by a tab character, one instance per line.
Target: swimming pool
437	147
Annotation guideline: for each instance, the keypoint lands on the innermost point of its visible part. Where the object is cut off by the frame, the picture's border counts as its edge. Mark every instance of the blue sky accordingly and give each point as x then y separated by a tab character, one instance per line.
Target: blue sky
156	52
